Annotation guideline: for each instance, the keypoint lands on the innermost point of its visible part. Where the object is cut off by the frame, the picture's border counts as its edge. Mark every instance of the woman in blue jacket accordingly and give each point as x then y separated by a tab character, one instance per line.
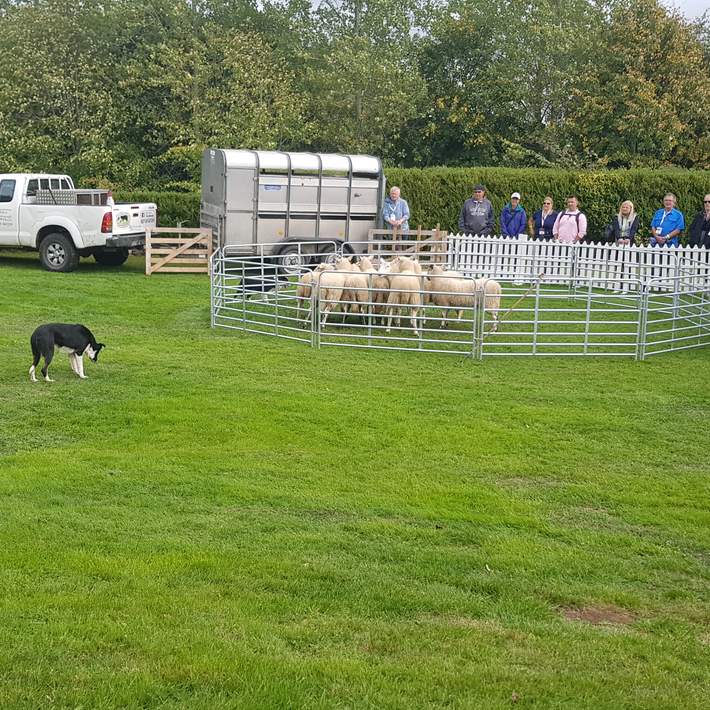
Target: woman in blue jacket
513	219
542	222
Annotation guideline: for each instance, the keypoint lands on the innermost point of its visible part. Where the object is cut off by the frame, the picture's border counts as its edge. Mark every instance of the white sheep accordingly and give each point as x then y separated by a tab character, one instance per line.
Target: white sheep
405	290
380	285
303	289
355	294
329	285
451	290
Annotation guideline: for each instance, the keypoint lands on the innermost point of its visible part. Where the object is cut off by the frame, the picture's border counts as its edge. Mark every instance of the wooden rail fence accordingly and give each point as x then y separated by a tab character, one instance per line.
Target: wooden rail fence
184	251
419	242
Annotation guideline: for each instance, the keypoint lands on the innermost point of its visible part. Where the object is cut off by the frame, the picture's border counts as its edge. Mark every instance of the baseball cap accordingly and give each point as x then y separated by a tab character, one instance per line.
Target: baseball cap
479	187
515	194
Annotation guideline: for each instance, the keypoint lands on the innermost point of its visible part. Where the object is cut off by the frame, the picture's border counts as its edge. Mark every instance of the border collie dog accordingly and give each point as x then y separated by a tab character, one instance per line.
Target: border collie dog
75	340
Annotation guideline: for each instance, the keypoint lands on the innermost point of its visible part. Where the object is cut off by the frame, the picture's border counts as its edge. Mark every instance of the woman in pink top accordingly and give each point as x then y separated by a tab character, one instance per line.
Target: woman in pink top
571	225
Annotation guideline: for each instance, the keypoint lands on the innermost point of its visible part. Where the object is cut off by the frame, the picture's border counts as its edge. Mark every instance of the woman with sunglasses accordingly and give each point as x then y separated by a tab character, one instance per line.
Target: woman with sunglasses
541	223
700	229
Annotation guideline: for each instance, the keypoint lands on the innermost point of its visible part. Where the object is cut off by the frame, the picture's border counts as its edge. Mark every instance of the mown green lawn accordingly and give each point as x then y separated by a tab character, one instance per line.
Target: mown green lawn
214	520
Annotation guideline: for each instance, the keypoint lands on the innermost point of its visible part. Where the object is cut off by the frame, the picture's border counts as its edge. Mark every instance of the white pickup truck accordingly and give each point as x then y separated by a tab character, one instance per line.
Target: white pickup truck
48	214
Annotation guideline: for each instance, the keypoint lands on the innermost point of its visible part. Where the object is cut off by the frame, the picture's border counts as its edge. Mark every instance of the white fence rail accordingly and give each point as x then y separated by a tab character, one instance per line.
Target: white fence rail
586	303
619	268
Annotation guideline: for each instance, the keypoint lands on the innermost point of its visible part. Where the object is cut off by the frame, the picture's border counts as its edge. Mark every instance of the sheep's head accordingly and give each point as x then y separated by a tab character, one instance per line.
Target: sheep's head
403	263
366	264
436	269
343	264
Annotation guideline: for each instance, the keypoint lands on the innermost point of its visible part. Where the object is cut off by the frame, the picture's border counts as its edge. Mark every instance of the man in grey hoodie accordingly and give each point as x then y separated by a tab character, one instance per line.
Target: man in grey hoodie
477	214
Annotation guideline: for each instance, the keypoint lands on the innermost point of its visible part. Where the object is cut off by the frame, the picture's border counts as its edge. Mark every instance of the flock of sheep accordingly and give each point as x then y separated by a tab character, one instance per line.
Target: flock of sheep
397	287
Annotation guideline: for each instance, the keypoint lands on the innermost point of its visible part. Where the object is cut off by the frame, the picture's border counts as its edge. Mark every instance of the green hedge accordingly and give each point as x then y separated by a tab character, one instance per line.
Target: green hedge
435	195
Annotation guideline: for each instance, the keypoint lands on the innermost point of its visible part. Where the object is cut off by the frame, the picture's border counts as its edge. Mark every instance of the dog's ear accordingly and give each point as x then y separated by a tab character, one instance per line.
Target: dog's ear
99	346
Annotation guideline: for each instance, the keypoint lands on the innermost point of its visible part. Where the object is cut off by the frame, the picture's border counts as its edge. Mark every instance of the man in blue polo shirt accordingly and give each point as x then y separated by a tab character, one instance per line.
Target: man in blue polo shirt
667	224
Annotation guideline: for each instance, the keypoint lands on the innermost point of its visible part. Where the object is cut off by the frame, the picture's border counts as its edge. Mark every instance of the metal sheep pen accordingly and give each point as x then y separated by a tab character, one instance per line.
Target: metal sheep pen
591	300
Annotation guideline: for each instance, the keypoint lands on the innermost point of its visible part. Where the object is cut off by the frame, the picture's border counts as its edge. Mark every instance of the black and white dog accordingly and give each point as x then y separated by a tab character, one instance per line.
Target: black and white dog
75	340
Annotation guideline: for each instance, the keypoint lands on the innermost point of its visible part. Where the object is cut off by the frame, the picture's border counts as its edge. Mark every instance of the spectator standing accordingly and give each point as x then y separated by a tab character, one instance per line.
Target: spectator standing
477	214
395	213
700	229
571	225
667	224
625	225
513	218
541	223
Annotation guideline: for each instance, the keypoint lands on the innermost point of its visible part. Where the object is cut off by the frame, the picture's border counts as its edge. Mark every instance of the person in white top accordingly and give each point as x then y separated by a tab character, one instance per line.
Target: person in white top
571	225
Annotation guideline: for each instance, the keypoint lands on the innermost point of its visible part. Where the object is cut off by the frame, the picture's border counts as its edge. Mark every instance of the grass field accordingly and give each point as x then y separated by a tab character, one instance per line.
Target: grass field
214	520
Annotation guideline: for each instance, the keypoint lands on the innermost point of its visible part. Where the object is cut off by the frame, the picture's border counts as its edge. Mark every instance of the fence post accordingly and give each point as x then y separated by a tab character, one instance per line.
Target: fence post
148	255
213	272
642	332
574	273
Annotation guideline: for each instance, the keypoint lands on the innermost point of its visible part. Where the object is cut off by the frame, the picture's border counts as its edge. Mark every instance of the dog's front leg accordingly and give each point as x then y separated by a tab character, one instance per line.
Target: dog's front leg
80	366
72	363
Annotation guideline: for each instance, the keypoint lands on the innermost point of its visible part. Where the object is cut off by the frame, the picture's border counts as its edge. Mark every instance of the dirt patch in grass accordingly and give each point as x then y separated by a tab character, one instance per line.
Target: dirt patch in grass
599	615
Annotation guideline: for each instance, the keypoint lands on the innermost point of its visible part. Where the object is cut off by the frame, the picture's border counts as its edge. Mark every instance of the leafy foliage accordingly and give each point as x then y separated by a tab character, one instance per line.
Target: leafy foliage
127	94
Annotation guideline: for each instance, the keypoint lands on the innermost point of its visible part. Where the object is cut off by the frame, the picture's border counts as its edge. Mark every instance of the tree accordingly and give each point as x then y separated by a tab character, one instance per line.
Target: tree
500	78
644	101
56	104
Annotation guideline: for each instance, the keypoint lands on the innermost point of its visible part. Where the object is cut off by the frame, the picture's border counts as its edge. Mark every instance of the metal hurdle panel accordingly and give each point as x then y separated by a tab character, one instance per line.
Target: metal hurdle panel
547	319
678	317
557	300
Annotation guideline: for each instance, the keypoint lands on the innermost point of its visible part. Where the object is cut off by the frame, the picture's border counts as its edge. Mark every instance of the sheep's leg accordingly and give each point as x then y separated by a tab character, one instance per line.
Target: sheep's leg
392	304
326	311
414	313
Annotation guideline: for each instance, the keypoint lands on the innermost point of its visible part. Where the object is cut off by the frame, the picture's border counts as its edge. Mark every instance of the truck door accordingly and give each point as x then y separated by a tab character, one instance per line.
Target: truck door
9	201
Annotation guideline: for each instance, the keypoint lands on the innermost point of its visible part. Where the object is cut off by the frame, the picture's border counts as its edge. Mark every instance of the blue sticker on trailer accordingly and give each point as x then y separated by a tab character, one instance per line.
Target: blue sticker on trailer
272	187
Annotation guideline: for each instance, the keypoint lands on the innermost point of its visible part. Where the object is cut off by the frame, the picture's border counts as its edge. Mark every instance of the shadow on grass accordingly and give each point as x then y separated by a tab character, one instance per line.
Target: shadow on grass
21	259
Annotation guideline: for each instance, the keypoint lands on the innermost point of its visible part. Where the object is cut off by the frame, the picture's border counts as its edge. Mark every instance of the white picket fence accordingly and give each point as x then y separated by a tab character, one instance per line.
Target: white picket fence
620	268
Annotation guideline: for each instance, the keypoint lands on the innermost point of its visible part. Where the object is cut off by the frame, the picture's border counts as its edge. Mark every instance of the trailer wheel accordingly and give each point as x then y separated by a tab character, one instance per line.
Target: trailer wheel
111	257
293	260
327	254
58	253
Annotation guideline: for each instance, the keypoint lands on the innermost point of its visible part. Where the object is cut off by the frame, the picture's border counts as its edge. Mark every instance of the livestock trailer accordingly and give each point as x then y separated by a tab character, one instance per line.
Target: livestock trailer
296	201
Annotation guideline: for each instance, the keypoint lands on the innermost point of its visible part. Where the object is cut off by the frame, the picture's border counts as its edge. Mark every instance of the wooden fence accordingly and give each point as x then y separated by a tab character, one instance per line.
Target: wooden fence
419	242
178	250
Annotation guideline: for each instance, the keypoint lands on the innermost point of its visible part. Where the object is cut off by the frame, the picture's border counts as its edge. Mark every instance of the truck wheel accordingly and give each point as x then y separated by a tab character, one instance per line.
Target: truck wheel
111	257
57	253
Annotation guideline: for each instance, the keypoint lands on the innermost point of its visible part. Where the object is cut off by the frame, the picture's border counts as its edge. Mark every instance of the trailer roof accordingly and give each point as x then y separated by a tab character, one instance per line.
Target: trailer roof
279	160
